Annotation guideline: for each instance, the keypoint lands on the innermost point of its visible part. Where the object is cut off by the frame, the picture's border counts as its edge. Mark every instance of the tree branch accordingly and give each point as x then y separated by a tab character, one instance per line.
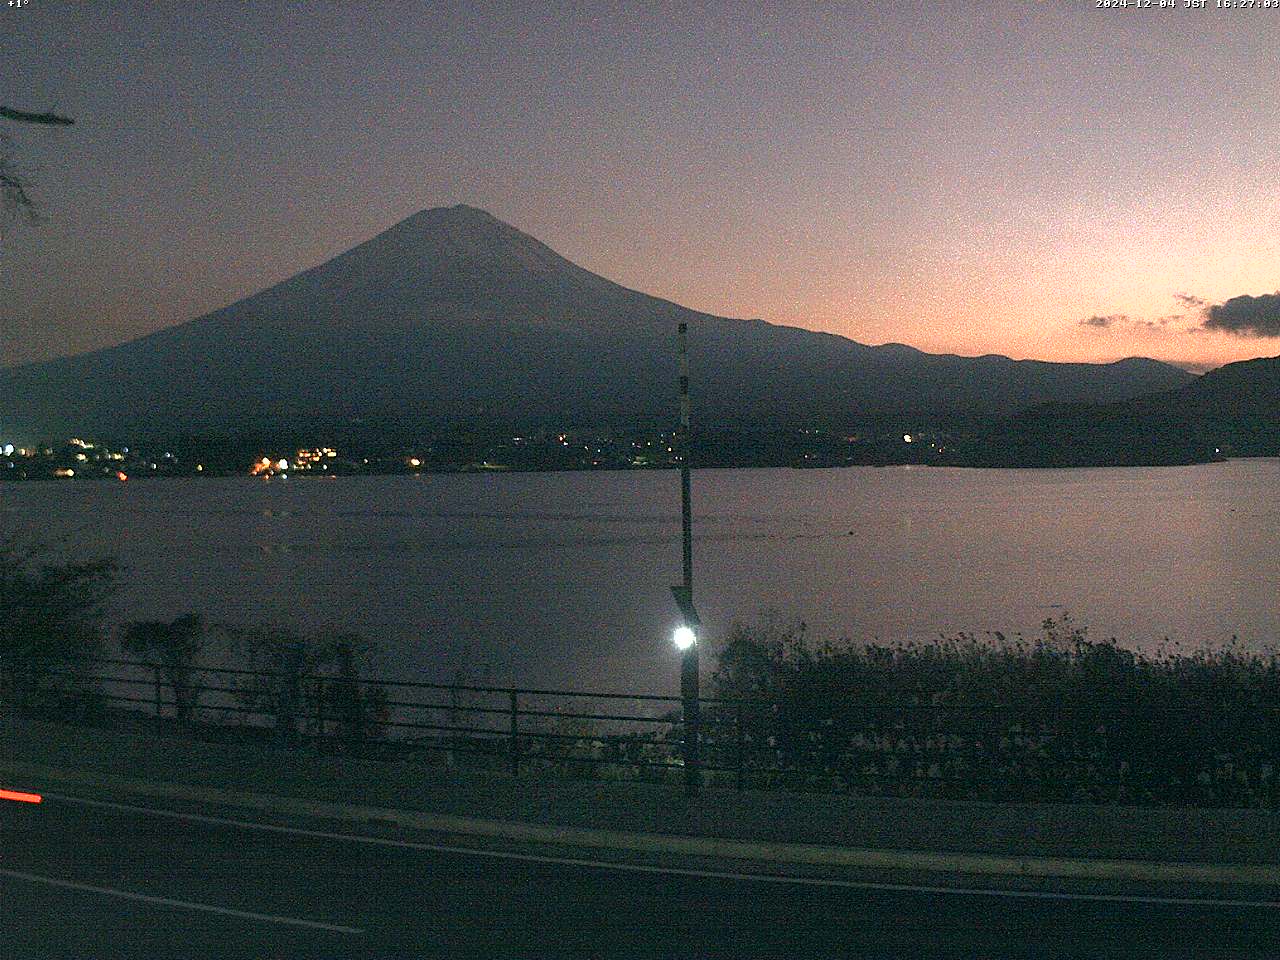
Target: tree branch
13	191
23	116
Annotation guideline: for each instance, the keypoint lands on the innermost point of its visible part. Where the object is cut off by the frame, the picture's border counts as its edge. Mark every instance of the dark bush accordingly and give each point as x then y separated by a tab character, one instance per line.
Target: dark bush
174	646
306	684
1059	717
50	622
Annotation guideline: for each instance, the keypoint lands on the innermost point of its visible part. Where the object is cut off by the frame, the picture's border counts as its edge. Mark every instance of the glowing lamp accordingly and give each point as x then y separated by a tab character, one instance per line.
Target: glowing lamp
684	638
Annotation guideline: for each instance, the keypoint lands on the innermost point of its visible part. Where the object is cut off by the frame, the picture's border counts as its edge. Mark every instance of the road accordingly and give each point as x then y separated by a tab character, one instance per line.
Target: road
117	879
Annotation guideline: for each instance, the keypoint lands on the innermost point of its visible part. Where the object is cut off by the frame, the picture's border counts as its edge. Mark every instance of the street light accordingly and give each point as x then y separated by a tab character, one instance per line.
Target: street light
684	637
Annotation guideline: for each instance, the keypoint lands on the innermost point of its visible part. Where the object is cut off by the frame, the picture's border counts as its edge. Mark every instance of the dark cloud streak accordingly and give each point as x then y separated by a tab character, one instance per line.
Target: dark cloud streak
1112	320
1104	322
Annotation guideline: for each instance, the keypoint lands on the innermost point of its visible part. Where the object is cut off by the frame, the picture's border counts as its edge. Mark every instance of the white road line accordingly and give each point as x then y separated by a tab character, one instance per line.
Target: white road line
184	904
677	871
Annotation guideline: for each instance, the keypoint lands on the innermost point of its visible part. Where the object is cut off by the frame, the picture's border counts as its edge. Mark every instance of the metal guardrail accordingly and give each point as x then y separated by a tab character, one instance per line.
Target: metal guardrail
397	716
996	749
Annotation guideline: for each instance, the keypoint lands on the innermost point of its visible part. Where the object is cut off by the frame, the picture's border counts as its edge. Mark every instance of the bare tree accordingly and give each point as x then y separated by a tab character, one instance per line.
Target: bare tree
14	197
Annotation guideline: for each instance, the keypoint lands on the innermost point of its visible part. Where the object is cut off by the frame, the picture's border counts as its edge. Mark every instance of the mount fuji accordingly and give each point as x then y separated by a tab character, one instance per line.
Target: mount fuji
454	316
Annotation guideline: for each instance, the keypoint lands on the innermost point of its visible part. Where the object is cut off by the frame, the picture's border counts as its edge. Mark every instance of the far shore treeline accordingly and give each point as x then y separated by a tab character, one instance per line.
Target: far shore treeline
1233	411
1052	717
1048	441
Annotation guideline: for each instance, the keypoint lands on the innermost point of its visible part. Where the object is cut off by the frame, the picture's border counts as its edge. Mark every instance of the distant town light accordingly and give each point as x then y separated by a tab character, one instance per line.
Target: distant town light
64	472
121	476
907	438
415	462
282	464
8	449
684	638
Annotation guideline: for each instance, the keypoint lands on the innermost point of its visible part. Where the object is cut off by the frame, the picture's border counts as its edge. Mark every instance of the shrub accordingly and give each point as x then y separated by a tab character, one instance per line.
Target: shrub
1058	717
302	681
174	646
50	620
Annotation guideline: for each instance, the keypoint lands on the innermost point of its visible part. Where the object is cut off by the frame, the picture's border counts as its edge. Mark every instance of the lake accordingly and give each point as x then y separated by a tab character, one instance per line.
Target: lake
563	579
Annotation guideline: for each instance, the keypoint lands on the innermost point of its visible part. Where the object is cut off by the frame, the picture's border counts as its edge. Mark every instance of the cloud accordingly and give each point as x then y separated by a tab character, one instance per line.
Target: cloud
1102	322
1245	316
1117	320
1242	316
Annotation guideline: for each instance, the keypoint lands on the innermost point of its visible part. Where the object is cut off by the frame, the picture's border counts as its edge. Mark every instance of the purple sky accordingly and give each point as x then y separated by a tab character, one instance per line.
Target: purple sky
964	177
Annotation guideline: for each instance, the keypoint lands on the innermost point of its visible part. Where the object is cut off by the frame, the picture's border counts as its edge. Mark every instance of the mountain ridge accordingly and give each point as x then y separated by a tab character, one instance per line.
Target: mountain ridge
452	315
1233	410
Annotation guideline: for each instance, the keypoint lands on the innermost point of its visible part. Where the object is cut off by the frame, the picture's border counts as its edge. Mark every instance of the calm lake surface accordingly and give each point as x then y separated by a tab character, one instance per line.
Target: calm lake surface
563	578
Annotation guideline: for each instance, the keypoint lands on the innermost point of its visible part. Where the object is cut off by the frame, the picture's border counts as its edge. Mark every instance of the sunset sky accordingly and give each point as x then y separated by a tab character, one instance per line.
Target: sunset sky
1040	179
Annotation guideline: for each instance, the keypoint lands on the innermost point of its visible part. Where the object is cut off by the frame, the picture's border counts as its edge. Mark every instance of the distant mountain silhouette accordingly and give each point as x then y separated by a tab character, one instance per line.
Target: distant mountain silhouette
1231	411
455	316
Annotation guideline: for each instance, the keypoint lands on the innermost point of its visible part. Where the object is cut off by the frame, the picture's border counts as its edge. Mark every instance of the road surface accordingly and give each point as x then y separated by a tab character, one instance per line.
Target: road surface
115	878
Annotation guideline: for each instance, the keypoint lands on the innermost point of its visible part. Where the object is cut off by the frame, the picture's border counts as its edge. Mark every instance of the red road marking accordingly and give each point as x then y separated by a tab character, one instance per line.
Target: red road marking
22	797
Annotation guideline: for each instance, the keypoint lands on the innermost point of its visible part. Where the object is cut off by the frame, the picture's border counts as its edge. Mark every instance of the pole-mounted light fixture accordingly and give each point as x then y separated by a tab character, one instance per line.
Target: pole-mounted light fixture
684	637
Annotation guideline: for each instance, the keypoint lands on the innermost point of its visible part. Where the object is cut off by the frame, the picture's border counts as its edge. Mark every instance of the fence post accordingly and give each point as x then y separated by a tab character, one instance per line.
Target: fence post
155	671
740	743
324	690
692	716
515	733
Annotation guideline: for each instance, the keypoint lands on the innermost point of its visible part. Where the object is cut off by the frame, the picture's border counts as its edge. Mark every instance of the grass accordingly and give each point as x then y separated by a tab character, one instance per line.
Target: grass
1055	717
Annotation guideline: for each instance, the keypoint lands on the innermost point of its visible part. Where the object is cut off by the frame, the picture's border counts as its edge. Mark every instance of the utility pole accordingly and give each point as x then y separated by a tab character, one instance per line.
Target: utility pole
686	637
